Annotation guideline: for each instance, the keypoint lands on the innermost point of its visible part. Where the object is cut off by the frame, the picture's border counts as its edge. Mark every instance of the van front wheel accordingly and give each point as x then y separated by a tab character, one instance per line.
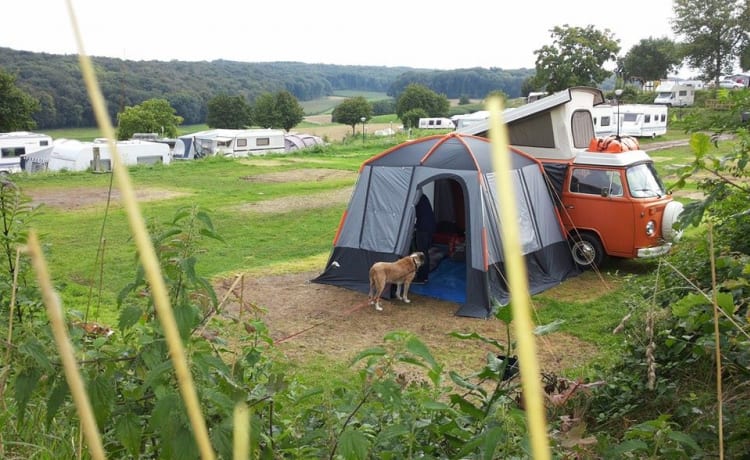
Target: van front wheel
587	251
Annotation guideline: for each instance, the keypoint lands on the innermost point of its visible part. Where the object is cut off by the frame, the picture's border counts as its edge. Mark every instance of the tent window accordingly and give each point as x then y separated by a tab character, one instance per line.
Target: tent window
583	128
535	131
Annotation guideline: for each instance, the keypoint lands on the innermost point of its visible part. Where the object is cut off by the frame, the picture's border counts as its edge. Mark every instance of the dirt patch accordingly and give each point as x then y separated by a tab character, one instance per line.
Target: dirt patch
308	319
299	202
81	197
302	175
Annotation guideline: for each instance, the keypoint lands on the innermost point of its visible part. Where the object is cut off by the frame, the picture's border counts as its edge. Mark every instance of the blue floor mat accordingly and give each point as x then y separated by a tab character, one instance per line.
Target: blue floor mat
447	282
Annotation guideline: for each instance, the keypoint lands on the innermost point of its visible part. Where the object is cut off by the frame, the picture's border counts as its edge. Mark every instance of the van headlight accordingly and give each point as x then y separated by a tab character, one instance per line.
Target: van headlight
650	228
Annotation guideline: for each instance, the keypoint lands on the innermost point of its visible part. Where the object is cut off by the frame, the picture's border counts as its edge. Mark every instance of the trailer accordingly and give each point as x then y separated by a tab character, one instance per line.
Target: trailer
674	94
15	145
604	120
642	120
229	142
73	155
436	123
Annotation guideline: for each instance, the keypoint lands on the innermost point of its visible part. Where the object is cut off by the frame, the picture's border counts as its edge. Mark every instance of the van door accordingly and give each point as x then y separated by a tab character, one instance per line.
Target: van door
595	201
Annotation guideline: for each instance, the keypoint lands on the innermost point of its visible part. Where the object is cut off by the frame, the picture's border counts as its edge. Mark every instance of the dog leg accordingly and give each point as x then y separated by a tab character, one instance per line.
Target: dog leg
406	291
399	289
379	292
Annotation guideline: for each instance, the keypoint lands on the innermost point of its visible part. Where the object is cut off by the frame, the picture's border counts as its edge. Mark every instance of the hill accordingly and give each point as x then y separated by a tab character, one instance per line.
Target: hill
55	80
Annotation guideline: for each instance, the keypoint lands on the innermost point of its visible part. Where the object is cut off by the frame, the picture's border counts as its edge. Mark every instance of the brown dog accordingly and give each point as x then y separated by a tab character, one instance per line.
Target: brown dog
400	272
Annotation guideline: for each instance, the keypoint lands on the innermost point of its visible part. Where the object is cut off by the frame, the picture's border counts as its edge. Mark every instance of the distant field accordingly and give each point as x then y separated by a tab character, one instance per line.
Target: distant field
325	105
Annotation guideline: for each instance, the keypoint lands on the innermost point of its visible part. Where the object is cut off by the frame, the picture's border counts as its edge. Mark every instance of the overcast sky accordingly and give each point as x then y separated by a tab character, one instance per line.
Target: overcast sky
413	33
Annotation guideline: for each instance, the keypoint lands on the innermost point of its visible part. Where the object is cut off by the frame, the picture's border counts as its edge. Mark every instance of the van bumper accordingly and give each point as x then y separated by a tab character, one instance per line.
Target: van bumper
654	251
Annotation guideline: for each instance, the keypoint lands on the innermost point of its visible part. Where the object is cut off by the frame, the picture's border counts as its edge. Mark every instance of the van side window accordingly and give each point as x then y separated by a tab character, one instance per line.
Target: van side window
595	181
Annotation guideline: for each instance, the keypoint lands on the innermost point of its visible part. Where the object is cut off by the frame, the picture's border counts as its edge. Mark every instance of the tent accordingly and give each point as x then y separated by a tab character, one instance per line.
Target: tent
455	172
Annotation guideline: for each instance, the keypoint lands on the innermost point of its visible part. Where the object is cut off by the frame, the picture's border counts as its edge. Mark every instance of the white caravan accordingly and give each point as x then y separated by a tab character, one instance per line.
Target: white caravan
75	155
605	122
642	120
229	142
436	123
467	119
13	146
674	94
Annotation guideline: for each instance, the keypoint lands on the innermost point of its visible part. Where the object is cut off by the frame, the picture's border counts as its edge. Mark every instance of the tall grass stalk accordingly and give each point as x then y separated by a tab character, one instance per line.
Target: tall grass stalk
65	348
717	340
518	283
146	251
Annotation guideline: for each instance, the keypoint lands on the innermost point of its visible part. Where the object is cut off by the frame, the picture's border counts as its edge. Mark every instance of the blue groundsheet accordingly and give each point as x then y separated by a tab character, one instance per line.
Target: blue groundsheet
447	282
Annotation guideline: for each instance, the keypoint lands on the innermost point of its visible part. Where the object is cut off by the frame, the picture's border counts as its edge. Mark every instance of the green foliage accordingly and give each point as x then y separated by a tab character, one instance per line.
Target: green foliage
651	59
229	112
279	110
351	111
417	96
16	106
16	213
129	376
474	83
411	117
714	32
152	116
575	58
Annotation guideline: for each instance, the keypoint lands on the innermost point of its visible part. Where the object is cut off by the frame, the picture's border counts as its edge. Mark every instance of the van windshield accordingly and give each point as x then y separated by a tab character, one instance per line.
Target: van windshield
644	182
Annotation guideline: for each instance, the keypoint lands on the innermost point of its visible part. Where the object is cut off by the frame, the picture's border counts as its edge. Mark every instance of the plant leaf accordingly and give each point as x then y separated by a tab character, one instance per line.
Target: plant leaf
128	432
353	445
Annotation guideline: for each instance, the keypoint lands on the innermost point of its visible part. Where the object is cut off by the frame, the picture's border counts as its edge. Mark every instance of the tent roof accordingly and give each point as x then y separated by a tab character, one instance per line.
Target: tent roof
447	151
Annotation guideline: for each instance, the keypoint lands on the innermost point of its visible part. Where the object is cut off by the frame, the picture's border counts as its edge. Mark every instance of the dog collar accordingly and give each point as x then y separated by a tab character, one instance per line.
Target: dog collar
414	261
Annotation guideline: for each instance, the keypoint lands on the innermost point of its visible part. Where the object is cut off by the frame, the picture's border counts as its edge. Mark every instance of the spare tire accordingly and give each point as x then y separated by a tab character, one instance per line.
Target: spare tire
671	214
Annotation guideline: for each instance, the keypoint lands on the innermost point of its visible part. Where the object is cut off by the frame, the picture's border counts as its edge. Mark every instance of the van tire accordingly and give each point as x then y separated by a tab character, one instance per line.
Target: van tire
587	250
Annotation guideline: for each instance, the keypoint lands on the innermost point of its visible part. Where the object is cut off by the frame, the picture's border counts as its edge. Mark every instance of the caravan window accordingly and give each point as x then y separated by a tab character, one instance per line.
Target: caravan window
605	121
647	118
12	151
263	141
242	142
663	117
583	128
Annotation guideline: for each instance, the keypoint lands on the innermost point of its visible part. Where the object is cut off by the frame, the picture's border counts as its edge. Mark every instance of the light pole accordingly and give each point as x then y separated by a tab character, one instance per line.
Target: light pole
618	93
363	120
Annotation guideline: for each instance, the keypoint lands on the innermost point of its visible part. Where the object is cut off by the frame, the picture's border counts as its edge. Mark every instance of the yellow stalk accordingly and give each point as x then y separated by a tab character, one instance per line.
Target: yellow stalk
518	285
65	348
241	432
717	345
147	253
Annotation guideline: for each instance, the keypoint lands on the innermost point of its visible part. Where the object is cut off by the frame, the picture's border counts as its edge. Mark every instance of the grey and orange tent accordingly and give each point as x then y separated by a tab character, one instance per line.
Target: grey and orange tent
456	173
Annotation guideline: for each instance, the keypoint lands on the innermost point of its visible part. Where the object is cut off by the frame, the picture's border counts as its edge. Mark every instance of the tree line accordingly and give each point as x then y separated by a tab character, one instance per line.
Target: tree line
55	81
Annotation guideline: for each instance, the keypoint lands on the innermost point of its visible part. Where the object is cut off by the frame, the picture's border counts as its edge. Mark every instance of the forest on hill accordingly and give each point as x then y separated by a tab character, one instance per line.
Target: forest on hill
56	81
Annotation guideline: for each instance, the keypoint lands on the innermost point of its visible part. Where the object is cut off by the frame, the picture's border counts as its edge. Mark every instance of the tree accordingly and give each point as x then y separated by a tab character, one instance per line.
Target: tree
151	116
651	59
411	117
229	112
417	96
16	106
290	113
264	112
351	111
575	58
280	110
713	31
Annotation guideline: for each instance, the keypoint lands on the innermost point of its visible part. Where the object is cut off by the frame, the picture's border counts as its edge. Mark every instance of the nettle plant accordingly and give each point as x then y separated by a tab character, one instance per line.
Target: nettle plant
129	376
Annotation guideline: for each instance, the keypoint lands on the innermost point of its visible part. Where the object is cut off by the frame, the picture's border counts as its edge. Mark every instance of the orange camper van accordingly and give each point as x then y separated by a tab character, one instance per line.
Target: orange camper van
611	199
